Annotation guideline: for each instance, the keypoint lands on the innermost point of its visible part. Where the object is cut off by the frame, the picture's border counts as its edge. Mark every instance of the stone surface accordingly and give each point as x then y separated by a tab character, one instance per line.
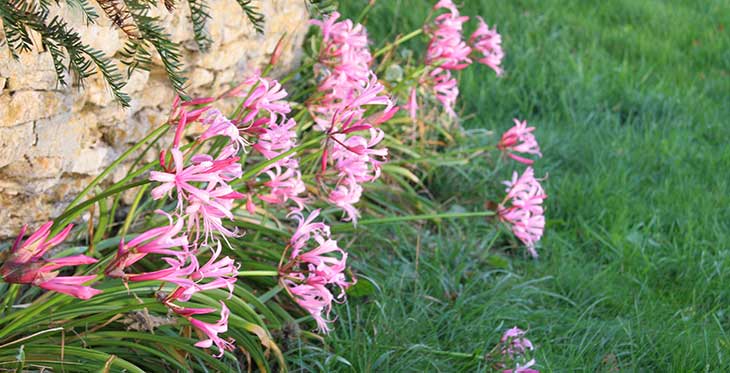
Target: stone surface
54	140
27	106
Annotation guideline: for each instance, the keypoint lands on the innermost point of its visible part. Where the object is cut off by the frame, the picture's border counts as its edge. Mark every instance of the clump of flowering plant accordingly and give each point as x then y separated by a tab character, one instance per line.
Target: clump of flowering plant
237	228
512	352
26	265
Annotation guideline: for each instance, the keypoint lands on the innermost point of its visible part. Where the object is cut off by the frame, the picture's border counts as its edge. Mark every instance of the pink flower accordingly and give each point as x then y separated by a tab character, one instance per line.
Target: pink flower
526	212
356	161
226	164
369	94
176	274
348	83
523	187
521	140
37	244
347	113
203	169
344	50
446	90
514	346
312	272
71	285
325	268
447	49
210	210
268	95
353	101
446	4
354	157
221	273
345	196
25	264
306	230
250	206
160	240
315	299
212	330
214	268
412	105
218	125
285	185
489	44
277	139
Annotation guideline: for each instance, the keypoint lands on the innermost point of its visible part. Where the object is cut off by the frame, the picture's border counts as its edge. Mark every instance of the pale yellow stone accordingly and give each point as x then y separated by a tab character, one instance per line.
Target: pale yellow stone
31	71
13	141
26	106
200	77
54	139
91	161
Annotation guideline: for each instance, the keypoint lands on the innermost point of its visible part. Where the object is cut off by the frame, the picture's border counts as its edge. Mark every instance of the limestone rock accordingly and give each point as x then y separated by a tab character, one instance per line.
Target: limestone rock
54	140
26	106
13	141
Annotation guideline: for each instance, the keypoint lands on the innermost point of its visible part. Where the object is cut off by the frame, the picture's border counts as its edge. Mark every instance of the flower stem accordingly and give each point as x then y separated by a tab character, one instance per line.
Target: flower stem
398	42
263	165
395	219
257	273
132	210
116	163
70	214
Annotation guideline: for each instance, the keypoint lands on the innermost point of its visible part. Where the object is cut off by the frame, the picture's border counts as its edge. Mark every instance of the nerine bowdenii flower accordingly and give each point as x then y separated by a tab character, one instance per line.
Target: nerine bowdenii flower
26	264
525	212
315	269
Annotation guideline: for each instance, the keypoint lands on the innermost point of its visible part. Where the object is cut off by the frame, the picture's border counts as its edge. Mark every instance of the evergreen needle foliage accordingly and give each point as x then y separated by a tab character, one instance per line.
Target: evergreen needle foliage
145	35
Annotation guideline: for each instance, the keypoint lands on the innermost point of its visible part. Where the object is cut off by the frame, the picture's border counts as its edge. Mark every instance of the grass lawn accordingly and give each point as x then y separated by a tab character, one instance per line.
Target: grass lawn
630	98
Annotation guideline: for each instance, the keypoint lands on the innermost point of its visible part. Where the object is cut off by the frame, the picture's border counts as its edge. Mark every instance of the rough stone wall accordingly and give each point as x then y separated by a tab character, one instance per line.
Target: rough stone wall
54	140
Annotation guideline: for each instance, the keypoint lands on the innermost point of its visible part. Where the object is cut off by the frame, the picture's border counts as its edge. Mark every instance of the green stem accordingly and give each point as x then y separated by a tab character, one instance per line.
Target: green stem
294	73
257	273
365	11
263	165
398	42
396	219
270	294
116	163
139	159
472	152
132	210
70	214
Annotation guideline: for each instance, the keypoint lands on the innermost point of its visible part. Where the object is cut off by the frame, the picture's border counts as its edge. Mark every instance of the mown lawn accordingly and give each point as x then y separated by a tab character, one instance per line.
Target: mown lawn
630	98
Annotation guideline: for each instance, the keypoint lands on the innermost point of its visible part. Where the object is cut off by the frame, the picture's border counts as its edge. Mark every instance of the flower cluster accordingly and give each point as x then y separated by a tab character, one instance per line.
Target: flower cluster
200	186
265	117
26	265
448	51
489	44
205	197
352	101
525	213
316	265
513	347
519	139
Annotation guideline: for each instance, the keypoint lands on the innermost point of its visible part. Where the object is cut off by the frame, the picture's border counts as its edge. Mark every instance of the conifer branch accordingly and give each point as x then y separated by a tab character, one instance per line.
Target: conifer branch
253	14
56	36
199	16
144	34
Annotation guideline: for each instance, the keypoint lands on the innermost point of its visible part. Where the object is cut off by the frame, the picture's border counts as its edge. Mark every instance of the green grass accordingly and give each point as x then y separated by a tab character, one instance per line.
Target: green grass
630	98
631	103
